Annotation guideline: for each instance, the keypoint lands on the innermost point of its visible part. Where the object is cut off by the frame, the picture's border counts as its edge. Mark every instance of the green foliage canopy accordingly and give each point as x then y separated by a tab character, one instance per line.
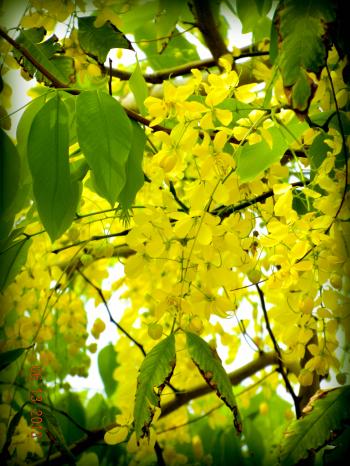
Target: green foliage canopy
191	205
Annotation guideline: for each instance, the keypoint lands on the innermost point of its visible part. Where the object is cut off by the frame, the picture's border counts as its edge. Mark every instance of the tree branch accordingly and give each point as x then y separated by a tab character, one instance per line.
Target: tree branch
226	211
306	392
236	377
278	351
75	448
159	453
101	295
60	85
93	238
209	28
56	82
181	70
175	196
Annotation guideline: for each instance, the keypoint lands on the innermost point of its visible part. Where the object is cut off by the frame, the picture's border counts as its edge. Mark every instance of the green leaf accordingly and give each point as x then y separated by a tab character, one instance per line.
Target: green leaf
107	363
253	159
301	91
104	134
97	42
23	129
209	365
47	53
228	448
139	88
8	357
13	256
22	134
178	51
156	369
55	435
5	454
318	152
9	173
303	26
338	456
88	459
10	167
79	169
166	20
70	403
326	413
252	14
133	169
260	427
273	53
48	157
99	413
263	6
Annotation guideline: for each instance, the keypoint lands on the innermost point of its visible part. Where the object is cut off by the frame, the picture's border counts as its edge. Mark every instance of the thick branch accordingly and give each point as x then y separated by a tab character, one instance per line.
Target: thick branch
209	28
266	359
159	76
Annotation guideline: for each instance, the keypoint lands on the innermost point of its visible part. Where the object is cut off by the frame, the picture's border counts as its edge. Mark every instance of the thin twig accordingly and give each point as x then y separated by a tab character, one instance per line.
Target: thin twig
181	70
93	238
225	211
278	351
346	155
101	295
175	196
110	77
159	453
